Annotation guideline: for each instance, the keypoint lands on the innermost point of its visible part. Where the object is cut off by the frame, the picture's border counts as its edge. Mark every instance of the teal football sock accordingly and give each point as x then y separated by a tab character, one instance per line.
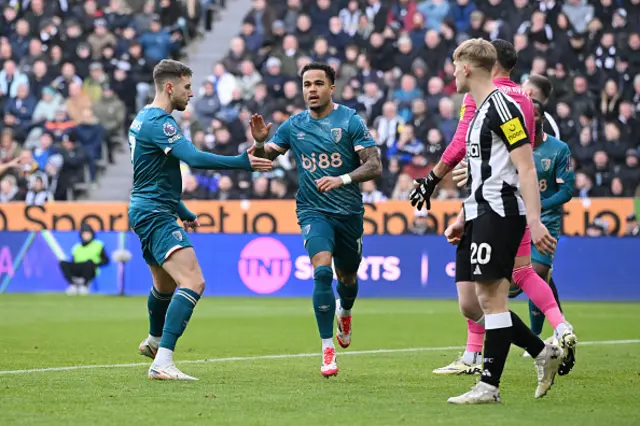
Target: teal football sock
536	317
348	294
178	315
157	305
324	301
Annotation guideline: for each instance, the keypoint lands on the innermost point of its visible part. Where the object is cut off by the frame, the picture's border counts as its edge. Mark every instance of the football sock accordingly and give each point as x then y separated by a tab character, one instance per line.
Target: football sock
497	341
554	289
475	338
157	305
524	337
178	315
536	318
327	343
348	294
472	358
539	292
324	301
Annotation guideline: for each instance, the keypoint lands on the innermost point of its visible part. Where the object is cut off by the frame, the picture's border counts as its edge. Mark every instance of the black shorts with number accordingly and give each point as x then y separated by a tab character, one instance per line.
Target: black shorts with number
488	247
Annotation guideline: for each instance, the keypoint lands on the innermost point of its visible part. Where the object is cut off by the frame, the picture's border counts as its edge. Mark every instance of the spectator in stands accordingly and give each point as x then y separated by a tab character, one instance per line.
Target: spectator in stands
9	190
38	193
11	79
90	134
74	159
19	110
631	226
423	224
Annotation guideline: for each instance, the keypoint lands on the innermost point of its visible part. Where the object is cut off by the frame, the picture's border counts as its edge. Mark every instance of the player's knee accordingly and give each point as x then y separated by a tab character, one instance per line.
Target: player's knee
522	273
521	262
542	271
323	276
348	279
197	285
322	257
470	309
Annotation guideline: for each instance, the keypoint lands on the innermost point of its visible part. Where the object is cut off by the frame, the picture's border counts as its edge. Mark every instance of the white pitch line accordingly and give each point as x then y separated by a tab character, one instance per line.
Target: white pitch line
281	356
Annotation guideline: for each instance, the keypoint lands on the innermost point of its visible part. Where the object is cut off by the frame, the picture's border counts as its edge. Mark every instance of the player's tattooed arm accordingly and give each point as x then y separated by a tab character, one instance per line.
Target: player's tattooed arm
370	165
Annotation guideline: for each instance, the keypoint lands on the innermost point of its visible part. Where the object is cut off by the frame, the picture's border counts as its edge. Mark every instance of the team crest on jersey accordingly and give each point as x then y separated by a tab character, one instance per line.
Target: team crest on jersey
306	229
546	164
336	135
169	129
177	235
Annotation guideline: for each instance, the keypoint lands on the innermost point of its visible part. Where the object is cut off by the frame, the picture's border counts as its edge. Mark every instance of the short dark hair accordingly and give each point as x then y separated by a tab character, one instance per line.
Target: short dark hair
169	69
541	83
328	71
507	55
540	105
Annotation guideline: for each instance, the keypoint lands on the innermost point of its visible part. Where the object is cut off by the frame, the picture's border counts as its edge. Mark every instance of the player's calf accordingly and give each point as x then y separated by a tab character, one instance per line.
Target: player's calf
324	306
348	291
183	267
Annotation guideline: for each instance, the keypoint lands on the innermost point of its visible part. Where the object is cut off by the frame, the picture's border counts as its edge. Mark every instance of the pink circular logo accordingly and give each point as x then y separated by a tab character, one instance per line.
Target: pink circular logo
264	265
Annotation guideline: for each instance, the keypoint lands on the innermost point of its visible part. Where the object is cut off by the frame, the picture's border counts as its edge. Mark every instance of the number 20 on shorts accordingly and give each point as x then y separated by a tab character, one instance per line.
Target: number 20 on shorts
321	161
480	253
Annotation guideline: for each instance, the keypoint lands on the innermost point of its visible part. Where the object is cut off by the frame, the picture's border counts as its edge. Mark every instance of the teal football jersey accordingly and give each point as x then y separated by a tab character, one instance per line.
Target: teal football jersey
326	147
555	178
157	181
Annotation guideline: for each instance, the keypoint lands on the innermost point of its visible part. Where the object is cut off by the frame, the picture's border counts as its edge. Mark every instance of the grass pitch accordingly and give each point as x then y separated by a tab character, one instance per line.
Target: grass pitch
241	384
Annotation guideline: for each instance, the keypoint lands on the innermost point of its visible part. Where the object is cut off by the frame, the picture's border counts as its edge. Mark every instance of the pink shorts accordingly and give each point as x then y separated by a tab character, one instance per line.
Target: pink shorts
525	244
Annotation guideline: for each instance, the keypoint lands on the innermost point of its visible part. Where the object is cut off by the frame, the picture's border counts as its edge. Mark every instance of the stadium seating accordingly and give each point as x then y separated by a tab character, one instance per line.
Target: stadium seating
72	75
72	78
393	64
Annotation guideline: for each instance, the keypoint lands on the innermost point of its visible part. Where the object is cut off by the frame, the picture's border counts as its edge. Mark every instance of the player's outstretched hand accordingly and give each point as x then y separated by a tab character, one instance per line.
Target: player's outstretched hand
191	224
541	238
260	164
453	233
327	183
259	130
460	174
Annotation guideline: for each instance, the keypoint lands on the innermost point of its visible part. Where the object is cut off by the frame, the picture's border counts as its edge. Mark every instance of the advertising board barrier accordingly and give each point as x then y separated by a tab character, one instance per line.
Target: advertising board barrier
594	269
278	216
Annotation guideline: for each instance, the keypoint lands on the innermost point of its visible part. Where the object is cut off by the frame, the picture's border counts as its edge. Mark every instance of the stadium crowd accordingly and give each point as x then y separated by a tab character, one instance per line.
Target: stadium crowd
393	65
73	72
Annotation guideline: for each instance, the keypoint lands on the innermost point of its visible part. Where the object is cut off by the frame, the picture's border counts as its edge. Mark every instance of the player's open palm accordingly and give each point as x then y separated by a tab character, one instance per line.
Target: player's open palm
460	174
259	130
453	233
260	164
542	239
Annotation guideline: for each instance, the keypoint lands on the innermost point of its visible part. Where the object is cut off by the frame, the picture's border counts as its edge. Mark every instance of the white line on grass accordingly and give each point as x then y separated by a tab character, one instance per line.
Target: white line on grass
281	356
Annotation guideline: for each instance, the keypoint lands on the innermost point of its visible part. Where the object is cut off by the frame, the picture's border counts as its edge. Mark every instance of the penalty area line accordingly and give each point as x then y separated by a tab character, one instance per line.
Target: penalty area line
280	356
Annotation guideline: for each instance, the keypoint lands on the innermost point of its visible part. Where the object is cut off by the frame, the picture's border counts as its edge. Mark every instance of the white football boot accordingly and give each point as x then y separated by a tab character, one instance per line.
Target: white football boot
481	393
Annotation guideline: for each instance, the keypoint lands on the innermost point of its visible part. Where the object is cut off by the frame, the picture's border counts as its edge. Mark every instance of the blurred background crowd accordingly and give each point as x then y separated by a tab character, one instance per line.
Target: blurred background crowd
73	73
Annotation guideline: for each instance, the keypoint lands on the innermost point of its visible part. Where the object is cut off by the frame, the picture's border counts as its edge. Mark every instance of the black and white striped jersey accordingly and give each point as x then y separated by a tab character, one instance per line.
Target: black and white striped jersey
550	127
496	129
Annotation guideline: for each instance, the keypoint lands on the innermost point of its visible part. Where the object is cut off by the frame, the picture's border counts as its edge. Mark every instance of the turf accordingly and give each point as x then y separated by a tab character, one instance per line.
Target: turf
373	388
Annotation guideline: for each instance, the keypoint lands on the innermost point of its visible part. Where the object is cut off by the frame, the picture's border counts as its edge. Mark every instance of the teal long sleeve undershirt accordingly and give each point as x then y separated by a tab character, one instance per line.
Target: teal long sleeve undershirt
197	159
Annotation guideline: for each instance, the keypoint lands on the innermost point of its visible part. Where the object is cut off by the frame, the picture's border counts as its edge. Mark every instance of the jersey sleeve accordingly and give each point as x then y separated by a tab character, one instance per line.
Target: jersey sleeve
166	135
456	150
565	178
507	122
359	133
281	141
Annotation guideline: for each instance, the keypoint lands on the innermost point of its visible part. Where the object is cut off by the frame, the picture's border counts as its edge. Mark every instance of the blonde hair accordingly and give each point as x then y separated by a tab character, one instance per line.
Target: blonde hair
480	53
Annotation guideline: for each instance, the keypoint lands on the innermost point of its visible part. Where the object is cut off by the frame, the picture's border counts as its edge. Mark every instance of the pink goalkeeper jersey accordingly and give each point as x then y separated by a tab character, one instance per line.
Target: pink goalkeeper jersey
457	149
